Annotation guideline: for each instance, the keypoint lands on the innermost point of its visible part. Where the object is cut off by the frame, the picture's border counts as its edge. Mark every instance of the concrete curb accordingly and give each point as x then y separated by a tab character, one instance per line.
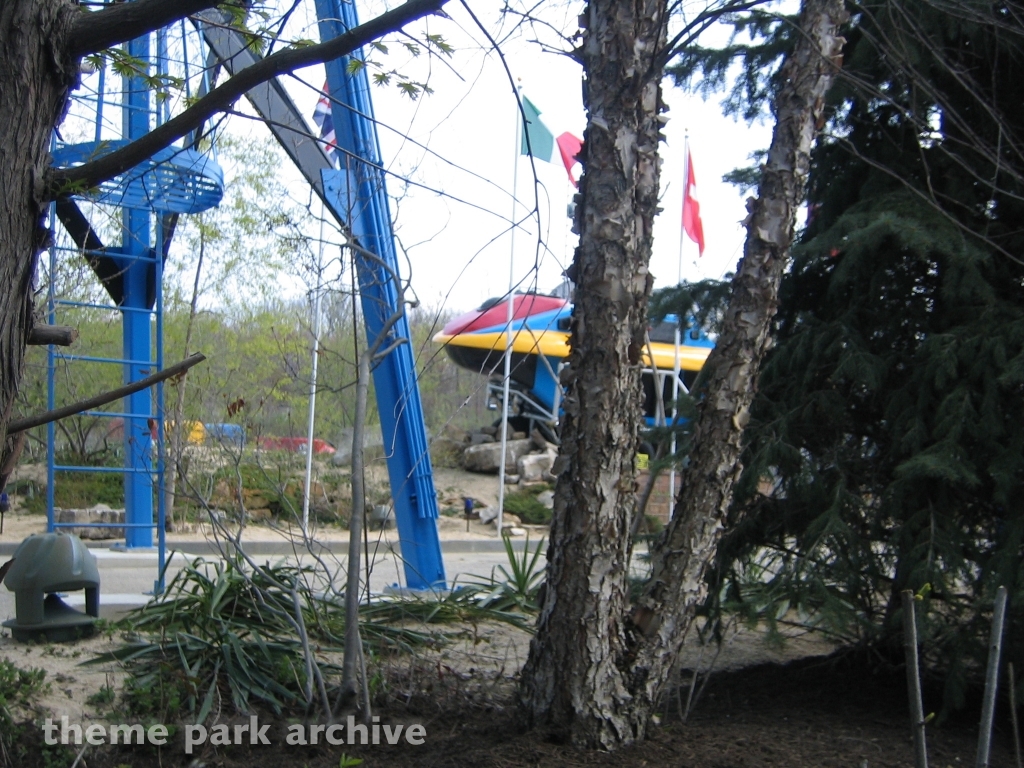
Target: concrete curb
263	548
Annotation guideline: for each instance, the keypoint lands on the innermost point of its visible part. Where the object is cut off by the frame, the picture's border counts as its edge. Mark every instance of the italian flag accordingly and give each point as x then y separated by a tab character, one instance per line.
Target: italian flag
540	142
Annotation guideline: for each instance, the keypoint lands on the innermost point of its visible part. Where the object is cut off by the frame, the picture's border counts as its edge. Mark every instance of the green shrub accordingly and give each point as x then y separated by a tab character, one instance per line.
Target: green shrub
524	504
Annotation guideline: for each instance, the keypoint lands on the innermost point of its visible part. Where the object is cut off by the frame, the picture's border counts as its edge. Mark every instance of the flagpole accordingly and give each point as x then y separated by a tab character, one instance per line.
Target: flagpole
679	320
508	318
307	492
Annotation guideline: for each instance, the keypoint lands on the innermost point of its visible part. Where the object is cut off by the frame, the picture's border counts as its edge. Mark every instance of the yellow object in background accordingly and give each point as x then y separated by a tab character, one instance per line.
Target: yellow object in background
195	432
643	461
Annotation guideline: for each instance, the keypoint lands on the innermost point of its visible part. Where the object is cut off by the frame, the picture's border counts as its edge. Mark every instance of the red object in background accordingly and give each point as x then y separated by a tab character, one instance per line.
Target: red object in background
296	444
569	147
692	224
495	314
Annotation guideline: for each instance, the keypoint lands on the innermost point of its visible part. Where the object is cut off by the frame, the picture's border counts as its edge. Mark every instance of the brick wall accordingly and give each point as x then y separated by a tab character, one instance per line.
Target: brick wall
659	505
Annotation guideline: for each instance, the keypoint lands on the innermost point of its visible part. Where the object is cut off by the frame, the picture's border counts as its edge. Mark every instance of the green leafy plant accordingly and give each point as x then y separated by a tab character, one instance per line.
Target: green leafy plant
224	631
525	505
19	691
515	587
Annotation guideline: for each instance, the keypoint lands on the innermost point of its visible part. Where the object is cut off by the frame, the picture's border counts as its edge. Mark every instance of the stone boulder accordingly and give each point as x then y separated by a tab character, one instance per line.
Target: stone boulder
100	513
535	467
486	457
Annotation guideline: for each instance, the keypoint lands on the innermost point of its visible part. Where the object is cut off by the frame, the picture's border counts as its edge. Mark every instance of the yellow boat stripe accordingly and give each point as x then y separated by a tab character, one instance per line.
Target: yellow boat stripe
556	344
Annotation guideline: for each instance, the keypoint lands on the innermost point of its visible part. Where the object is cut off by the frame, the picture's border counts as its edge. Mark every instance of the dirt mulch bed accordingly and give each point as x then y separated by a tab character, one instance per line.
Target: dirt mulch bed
815	712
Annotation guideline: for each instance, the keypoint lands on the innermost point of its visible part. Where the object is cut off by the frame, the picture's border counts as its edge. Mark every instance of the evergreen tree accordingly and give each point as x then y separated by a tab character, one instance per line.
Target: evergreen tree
890	419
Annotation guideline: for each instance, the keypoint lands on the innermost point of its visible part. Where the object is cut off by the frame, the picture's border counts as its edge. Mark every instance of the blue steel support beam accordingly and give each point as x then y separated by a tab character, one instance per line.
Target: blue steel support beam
138	277
359	198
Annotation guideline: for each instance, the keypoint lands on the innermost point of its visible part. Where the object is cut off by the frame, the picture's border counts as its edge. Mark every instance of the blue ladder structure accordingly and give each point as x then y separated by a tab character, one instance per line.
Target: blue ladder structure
357	198
149	197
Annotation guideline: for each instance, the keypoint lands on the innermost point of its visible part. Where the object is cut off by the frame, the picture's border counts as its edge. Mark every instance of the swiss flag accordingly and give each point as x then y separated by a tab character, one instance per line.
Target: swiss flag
691	208
569	147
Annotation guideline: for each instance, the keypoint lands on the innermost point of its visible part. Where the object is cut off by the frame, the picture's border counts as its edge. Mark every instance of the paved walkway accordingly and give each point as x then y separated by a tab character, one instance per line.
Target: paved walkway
127	578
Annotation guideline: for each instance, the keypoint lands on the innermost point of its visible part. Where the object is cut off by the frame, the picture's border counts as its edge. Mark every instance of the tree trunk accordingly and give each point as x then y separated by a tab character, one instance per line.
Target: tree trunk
353	641
677	584
594	672
36	76
178	430
574	679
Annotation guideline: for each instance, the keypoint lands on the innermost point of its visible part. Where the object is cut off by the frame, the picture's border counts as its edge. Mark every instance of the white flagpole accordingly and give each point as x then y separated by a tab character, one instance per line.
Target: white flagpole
679	320
306	493
508	320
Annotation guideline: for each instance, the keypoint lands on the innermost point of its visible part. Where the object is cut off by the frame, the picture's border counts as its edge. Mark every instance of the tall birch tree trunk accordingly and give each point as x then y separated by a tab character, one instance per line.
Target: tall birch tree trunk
597	667
574	679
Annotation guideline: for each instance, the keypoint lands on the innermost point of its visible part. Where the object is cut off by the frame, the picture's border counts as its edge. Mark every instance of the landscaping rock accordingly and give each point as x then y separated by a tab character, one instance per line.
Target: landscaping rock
486	457
540	443
100	513
488	515
535	467
547	498
457	434
478	438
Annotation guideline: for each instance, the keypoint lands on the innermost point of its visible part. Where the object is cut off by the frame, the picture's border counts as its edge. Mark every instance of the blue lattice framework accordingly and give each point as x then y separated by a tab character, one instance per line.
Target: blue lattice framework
358	195
143	200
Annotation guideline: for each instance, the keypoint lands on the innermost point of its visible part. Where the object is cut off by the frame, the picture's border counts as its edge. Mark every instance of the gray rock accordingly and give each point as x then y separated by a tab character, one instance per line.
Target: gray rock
479	438
547	498
457	434
488	515
535	467
372	439
486	457
99	513
540	443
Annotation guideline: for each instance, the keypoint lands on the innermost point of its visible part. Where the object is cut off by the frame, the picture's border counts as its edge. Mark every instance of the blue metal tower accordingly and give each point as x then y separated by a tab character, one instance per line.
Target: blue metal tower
358	195
144	203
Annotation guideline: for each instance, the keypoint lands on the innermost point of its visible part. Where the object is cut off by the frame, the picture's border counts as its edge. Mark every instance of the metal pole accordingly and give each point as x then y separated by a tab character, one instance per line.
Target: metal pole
679	280
508	324
914	680
988	707
312	379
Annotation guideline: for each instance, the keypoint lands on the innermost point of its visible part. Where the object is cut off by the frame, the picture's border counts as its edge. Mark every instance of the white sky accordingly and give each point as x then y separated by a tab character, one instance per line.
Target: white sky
459	244
459	247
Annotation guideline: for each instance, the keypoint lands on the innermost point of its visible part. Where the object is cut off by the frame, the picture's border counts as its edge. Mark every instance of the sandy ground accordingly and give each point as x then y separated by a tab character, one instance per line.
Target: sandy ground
489	653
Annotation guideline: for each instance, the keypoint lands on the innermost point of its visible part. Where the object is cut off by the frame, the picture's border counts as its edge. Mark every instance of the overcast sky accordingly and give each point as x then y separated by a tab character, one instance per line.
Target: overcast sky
459	243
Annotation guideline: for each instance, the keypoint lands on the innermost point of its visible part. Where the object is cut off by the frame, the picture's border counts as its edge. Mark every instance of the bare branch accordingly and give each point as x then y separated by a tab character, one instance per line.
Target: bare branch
95	30
20	425
223	96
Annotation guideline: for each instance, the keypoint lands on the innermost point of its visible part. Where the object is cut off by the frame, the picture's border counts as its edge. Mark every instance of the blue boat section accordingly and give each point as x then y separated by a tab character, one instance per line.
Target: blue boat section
545	384
358	195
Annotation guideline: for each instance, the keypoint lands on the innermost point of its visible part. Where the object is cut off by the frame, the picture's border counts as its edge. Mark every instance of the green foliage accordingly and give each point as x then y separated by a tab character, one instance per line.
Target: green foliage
215	636
19	691
524	504
226	632
886	441
517	587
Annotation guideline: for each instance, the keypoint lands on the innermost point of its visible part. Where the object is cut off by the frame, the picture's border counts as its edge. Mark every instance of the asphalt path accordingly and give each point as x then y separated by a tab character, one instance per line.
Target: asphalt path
128	578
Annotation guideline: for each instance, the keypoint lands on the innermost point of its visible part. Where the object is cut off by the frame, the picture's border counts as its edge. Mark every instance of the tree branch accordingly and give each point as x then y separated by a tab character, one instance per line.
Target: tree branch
223	96
20	425
95	30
